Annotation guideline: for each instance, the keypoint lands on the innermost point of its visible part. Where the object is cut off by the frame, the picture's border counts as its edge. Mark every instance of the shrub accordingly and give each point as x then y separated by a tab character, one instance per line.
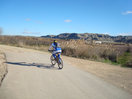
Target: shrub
109	54
112	57
68	51
125	60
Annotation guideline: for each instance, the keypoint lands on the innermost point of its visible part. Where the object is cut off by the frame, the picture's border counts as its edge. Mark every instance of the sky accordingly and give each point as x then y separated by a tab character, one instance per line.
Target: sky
52	17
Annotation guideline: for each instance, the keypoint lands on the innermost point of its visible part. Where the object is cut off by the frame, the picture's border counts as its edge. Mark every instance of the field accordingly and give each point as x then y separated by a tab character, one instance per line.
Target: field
115	53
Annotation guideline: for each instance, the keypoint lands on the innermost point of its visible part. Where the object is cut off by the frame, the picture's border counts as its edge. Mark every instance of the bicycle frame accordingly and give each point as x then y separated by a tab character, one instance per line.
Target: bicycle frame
57	57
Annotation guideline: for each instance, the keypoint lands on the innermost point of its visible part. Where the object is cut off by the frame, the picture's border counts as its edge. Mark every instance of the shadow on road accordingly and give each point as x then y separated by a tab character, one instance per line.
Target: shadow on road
39	65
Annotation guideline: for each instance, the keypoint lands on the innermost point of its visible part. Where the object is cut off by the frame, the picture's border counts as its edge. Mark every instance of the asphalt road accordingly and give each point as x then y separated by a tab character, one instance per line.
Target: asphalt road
31	76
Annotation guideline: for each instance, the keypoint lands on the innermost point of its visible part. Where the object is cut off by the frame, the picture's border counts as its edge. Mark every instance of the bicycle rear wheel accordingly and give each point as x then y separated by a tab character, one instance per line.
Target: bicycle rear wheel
60	63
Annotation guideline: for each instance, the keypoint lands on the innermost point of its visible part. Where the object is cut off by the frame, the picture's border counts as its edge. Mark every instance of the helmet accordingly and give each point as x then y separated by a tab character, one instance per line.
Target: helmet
55	41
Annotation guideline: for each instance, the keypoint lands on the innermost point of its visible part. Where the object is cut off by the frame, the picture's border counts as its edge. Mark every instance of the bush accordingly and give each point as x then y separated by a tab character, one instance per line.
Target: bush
68	51
125	60
108	54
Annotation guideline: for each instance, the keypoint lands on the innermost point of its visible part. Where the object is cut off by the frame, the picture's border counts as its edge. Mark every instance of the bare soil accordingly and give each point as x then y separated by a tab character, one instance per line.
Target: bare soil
115	74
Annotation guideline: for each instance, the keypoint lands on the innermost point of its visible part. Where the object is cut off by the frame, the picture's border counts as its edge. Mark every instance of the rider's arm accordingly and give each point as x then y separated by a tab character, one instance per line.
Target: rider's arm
59	45
50	48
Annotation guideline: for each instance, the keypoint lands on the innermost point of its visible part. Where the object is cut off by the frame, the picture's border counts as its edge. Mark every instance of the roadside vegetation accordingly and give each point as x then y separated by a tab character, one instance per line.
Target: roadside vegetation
113	53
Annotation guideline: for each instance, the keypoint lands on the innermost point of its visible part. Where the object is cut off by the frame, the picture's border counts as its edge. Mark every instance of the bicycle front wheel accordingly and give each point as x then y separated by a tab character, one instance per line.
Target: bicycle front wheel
60	63
53	61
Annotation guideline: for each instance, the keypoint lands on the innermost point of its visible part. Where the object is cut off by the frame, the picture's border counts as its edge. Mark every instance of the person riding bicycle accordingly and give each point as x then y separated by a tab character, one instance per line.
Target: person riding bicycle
56	49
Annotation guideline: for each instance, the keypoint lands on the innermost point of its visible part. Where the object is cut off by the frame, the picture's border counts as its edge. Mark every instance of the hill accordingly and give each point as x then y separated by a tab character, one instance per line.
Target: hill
92	36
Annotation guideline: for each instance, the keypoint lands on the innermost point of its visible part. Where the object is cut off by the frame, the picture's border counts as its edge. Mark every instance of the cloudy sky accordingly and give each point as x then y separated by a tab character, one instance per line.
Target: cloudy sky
52	17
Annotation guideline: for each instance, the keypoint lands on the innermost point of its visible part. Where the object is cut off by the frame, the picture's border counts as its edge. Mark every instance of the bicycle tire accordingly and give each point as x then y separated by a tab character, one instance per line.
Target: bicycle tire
60	63
53	61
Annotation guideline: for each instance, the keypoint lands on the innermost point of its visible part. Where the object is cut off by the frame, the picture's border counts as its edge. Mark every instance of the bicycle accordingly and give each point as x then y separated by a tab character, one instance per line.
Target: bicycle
57	60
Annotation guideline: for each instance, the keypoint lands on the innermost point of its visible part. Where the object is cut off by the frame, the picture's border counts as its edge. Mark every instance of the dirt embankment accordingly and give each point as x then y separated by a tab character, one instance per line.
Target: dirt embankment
3	66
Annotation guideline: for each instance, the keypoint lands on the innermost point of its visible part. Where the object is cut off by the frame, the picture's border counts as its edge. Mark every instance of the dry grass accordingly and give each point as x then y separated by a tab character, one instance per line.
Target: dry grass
78	48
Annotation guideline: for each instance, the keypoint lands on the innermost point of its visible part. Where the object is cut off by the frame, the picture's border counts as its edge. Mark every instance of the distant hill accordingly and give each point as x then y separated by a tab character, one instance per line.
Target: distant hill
92	36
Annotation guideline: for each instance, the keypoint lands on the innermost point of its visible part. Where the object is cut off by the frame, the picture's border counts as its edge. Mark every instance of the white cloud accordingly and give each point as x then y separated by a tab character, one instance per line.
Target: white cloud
127	12
126	34
28	19
29	32
38	22
106	33
67	21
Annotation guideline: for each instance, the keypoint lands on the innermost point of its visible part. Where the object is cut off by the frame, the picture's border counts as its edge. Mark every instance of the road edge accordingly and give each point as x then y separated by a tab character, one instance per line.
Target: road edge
3	66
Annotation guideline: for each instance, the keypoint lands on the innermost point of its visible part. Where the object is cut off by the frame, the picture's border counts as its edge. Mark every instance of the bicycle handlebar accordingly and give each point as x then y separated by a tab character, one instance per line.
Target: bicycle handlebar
50	50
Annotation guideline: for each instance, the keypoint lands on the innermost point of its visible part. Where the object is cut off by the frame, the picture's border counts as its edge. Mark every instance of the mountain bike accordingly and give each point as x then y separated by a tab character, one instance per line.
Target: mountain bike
57	60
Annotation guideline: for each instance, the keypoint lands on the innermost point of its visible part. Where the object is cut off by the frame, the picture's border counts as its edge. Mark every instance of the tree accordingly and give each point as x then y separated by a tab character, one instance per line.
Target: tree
1	30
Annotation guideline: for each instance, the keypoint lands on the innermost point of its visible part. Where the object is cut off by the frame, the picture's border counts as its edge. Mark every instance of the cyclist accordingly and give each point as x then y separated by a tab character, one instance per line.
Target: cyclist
56	48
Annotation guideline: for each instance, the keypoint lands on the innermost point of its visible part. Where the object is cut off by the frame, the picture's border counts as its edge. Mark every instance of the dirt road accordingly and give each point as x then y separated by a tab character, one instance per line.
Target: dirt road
30	76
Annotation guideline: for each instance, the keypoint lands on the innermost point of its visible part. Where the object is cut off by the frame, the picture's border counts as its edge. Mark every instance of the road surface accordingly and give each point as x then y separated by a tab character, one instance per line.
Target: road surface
30	76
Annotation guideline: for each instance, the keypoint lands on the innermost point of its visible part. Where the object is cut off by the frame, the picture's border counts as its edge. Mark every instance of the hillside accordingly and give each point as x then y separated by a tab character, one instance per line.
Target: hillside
92	36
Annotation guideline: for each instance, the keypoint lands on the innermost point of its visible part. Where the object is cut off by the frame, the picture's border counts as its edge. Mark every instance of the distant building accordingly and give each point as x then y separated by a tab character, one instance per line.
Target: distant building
108	42
98	42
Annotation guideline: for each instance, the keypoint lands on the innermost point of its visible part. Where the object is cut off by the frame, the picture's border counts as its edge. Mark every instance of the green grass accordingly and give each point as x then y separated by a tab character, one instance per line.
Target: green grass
110	62
125	60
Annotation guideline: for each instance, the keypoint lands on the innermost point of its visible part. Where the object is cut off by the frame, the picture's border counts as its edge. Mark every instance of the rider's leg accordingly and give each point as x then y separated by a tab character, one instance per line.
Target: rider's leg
54	56
54	52
59	57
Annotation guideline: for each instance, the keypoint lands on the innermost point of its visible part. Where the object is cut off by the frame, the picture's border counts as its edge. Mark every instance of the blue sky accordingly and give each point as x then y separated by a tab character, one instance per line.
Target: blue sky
47	17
